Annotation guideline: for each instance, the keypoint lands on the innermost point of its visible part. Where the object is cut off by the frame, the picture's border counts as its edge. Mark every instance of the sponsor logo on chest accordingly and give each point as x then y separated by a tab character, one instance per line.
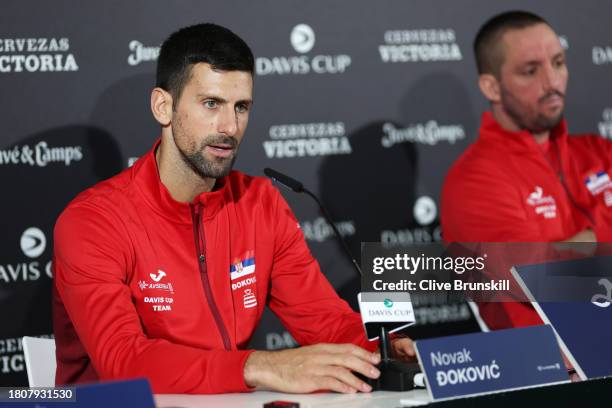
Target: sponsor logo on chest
544	205
158	303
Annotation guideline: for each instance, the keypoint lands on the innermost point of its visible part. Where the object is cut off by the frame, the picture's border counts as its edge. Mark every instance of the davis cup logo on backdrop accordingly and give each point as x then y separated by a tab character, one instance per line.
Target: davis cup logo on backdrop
36	55
602	54
40	155
141	53
276	341
430	133
319	230
33	242
605	126
302	40
306	140
420	45
425	210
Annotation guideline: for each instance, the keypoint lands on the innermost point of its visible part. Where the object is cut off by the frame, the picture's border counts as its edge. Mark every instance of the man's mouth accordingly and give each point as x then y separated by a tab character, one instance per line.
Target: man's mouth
552	100
221	150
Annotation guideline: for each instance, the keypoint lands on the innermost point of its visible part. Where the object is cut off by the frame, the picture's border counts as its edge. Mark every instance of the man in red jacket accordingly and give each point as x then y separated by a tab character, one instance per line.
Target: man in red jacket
525	179
163	271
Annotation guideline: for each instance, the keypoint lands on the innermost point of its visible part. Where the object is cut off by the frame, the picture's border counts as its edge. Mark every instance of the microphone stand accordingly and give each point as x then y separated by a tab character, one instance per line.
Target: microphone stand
395	375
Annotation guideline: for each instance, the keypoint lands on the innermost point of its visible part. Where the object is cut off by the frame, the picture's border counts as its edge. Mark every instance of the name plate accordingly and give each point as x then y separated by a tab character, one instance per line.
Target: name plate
481	363
390	309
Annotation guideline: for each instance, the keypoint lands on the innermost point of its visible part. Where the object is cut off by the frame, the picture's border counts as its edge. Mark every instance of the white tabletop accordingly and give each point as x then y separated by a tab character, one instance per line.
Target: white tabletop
378	399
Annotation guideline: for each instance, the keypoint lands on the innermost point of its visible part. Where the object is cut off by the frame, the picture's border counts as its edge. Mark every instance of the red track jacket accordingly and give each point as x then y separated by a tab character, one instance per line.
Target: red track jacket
147	286
507	188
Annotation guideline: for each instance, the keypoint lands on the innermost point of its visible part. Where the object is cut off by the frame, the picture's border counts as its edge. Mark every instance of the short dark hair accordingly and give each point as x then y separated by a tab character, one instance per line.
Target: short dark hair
208	43
487	45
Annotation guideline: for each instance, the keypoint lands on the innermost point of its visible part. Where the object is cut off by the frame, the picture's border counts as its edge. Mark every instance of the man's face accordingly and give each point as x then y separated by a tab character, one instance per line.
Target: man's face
210	118
533	78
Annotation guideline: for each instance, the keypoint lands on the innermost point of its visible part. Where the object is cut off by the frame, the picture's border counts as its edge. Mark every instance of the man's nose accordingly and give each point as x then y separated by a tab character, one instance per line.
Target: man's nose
228	122
552	78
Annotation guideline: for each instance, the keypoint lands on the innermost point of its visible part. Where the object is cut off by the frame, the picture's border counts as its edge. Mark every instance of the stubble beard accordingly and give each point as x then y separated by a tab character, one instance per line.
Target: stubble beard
535	125
196	160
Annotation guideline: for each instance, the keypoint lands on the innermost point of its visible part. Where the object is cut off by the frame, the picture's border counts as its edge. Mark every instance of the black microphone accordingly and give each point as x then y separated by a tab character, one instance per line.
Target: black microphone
298	187
287	181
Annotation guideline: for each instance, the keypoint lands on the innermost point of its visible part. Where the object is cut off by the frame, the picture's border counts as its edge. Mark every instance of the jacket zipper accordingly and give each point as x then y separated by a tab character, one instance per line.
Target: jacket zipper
200	243
566	188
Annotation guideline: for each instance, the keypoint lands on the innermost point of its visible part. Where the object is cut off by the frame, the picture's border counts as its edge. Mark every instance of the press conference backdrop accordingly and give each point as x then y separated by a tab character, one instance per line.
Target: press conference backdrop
367	102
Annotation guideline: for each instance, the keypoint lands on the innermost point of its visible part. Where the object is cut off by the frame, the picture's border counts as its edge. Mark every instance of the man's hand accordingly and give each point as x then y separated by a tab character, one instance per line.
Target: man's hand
311	368
402	348
586	235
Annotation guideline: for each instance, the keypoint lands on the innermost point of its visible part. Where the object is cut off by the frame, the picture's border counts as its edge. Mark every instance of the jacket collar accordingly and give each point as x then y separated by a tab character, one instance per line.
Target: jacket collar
517	142
155	193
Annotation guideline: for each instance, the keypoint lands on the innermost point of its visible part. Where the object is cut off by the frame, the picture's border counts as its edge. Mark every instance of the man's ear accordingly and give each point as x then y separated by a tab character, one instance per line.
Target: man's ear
161	106
489	86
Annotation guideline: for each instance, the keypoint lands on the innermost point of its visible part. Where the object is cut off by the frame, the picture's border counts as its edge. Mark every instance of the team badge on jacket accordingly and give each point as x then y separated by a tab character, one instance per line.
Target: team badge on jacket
248	298
600	182
242	267
596	183
242	275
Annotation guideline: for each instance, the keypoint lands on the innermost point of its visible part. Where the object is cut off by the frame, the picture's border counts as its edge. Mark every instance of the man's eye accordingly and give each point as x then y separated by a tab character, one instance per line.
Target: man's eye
242	108
529	72
210	104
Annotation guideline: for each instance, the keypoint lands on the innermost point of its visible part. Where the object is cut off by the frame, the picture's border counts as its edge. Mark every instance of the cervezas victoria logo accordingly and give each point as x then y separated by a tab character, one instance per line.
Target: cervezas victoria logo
36	54
420	45
307	140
